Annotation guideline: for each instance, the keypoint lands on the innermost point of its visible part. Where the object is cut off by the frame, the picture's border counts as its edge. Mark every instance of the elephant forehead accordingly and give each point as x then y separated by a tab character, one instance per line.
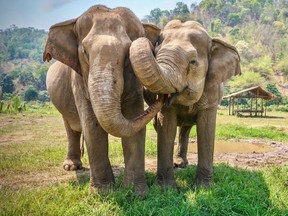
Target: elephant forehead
103	20
185	37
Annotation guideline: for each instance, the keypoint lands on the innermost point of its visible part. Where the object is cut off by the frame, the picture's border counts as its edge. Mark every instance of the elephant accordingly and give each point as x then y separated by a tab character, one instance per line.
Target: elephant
93	86
191	67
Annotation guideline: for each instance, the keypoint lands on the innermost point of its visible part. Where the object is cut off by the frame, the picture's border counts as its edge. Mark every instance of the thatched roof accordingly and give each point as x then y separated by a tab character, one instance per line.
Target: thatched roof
253	92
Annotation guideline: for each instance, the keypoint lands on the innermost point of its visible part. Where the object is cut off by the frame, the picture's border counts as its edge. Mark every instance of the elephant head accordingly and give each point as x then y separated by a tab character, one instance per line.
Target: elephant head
187	61
96	45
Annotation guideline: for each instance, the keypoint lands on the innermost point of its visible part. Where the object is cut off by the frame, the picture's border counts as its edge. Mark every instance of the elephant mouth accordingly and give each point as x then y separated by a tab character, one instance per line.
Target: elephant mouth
187	97
170	99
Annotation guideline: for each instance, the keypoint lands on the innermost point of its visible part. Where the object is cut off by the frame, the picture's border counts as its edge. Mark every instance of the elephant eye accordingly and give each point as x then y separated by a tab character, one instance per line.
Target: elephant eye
193	62
85	54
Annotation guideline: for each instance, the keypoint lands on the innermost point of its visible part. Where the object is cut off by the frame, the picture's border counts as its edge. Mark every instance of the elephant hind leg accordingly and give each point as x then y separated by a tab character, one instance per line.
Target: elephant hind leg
180	159
73	158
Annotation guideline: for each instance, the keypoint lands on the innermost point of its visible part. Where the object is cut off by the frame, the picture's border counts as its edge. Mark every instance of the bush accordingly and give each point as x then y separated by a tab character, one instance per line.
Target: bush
12	104
43	96
31	94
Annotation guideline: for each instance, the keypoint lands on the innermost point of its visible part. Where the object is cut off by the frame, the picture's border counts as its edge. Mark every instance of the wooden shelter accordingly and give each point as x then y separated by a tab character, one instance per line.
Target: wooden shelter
256	95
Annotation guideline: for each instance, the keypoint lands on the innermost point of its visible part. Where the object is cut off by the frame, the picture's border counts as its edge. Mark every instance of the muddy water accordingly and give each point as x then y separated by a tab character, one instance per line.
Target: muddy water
223	146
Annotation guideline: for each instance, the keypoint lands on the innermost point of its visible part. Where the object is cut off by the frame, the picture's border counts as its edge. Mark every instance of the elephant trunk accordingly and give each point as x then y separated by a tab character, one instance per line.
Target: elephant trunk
163	75
105	85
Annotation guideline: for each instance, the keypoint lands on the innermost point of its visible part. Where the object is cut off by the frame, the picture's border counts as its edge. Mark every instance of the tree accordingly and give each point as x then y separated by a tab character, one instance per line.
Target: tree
7	83
233	19
31	94
273	89
181	9
26	78
155	15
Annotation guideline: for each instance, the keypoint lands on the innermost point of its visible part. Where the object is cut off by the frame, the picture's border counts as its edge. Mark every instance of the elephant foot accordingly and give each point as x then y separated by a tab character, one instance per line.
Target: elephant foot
72	164
167	183
204	177
103	186
180	162
166	179
138	184
101	189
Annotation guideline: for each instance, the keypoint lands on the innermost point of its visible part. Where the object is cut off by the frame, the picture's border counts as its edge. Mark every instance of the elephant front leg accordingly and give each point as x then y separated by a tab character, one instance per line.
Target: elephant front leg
73	158
166	132
180	159
134	152
101	174
206	123
96	139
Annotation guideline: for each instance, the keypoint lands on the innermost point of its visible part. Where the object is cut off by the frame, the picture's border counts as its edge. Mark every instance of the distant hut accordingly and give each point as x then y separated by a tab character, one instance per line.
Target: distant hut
257	98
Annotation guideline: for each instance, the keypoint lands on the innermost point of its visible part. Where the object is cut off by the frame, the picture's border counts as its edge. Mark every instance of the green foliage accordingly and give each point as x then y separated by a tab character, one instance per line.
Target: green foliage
246	80
233	19
12	104
21	60
7	83
273	89
22	43
31	94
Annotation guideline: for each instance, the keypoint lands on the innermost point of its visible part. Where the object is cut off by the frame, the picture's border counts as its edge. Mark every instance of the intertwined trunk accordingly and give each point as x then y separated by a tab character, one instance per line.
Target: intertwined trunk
162	75
105	86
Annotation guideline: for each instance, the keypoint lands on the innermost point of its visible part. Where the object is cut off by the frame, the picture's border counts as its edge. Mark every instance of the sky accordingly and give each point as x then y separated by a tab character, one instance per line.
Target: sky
41	14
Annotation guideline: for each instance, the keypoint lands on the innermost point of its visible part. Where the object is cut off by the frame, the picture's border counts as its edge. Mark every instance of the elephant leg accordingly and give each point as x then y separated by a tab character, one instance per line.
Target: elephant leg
134	148
166	133
206	123
101	174
180	159
96	139
73	158
134	152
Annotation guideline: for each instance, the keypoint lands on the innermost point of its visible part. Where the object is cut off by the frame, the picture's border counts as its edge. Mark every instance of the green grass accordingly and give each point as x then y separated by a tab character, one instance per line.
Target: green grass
37	146
237	131
235	192
232	131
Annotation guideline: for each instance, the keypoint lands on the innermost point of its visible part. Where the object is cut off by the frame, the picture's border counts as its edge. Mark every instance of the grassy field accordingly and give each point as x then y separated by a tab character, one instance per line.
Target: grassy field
32	181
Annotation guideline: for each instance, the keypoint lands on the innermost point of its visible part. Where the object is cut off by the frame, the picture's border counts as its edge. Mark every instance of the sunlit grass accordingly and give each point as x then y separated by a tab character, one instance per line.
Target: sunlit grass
235	192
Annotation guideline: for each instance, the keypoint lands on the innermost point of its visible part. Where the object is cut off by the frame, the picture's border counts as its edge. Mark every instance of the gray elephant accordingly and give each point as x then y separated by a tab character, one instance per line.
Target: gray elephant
191	67
93	86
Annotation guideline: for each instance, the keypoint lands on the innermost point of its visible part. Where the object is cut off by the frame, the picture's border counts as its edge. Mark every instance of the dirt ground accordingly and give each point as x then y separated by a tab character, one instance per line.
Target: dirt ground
259	154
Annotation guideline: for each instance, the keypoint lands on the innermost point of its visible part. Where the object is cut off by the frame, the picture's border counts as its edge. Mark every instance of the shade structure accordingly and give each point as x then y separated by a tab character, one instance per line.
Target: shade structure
257	108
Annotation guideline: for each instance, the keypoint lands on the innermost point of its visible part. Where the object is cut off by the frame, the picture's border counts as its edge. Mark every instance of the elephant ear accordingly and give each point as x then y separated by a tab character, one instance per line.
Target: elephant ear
62	45
152	32
224	63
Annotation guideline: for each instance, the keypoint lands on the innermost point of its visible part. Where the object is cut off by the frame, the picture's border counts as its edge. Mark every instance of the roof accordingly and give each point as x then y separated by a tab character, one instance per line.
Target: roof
253	92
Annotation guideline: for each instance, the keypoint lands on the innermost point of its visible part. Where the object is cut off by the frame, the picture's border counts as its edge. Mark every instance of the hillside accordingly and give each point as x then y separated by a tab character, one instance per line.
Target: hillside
258	28
21	66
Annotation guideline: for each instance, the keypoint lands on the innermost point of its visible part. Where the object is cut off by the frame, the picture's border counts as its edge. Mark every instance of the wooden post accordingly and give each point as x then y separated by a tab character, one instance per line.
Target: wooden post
229	105
251	106
257	102
262	110
233	106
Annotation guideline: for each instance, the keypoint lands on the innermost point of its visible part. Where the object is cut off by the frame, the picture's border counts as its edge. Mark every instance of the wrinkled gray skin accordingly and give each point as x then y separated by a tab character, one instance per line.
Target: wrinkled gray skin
191	66
93	86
